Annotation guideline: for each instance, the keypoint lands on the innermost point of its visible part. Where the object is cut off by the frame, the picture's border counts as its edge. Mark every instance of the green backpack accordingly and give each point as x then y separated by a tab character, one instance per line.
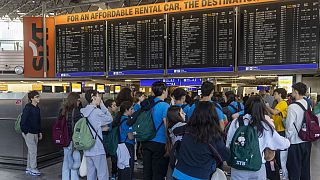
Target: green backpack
17	125
143	122
82	137
112	140
244	148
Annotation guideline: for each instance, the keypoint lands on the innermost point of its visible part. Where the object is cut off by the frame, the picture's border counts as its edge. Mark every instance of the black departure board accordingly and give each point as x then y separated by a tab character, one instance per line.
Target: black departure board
202	39
136	44
81	49
280	33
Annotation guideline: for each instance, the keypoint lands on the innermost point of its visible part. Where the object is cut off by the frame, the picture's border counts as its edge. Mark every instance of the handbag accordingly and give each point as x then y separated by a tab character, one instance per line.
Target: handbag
83	167
218	175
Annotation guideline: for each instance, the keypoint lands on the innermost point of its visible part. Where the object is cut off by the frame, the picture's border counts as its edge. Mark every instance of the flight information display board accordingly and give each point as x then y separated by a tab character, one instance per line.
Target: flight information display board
201	41
279	36
136	46
81	49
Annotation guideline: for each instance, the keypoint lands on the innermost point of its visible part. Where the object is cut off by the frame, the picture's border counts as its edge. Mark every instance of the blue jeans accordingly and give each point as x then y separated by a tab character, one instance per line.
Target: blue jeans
67	173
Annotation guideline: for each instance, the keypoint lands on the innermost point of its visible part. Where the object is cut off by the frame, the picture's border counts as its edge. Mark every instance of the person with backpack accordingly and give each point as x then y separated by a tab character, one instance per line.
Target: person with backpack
234	108
175	129
279	114
315	150
154	163
125	94
70	110
298	163
248	138
112	108
126	137
98	118
139	97
202	148
31	131
179	97
207	90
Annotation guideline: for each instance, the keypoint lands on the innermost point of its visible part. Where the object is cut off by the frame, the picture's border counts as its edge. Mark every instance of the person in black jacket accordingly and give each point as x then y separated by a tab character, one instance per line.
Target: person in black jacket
202	148
31	131
71	111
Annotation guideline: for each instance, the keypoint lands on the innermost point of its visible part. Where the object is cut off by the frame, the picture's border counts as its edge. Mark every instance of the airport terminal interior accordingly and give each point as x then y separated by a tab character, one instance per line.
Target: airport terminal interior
120	56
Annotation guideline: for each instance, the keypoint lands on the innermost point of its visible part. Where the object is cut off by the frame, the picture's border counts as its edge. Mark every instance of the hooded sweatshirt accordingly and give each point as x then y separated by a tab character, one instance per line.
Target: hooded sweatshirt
98	118
267	140
31	119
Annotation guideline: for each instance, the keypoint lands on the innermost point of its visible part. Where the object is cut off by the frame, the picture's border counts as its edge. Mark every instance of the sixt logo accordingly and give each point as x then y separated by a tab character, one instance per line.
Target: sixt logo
37	60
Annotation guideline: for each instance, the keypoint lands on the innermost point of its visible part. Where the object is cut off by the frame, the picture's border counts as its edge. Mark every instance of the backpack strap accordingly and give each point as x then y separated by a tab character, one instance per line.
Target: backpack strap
239	106
155	103
241	121
217	105
72	118
159	126
183	106
162	120
121	124
90	125
302	107
216	154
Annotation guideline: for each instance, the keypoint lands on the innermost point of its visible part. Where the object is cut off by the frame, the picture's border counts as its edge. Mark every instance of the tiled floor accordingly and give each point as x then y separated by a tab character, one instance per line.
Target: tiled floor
49	173
52	172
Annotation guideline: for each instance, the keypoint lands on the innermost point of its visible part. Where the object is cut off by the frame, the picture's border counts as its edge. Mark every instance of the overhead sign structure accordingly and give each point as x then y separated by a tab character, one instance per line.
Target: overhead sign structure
152	9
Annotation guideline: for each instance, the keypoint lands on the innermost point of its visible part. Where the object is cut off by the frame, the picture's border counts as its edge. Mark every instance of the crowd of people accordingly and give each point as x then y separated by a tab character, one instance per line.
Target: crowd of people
257	135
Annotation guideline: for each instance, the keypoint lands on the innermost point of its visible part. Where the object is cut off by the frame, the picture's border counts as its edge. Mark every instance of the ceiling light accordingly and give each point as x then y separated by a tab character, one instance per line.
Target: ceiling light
22	81
268	76
128	80
247	78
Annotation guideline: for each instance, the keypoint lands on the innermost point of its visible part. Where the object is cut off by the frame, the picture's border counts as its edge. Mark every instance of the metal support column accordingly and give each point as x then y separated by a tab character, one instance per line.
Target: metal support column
45	65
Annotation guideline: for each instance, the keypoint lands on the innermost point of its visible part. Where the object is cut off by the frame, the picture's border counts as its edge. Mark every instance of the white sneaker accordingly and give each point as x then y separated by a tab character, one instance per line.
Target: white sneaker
28	170
34	172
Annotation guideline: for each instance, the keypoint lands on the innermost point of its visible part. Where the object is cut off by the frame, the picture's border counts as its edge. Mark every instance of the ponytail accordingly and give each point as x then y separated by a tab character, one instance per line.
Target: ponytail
126	105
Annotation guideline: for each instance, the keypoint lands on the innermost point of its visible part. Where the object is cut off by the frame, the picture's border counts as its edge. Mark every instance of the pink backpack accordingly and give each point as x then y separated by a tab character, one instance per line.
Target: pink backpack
310	130
60	134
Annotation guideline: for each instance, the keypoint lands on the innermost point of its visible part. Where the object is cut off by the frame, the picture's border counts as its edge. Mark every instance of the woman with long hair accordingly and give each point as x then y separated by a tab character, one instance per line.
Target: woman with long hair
124	95
175	119
256	116
175	129
202	148
126	136
71	111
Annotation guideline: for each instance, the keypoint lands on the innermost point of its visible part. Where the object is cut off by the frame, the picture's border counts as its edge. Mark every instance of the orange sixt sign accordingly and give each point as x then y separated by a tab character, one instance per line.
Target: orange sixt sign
33	43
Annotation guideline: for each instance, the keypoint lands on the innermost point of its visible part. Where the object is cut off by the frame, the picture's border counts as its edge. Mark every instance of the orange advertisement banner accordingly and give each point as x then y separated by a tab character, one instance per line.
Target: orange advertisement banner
160	8
33	43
